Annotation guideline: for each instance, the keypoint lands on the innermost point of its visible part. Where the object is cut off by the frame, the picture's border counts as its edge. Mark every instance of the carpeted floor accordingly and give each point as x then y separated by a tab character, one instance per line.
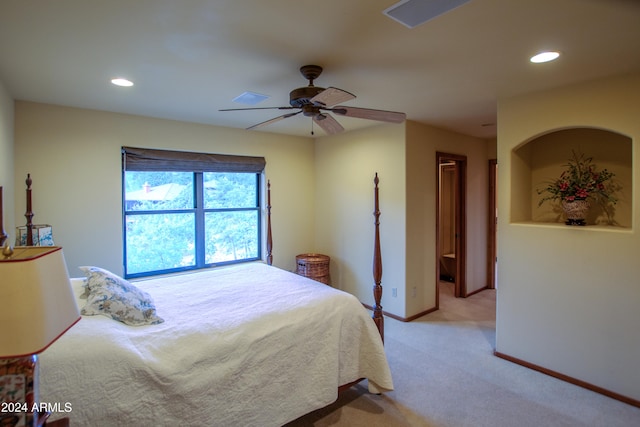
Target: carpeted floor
445	375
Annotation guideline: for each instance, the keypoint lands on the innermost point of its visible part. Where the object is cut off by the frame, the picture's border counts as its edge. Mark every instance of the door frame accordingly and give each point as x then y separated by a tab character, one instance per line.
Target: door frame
492	244
460	222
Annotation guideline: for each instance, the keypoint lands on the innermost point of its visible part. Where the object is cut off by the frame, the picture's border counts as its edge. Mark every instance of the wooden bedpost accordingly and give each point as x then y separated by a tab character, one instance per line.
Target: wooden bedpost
29	213
3	235
377	265
269	238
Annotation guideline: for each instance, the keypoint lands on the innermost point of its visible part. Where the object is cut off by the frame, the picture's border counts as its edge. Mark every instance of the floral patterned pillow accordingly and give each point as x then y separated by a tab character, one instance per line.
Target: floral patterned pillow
113	296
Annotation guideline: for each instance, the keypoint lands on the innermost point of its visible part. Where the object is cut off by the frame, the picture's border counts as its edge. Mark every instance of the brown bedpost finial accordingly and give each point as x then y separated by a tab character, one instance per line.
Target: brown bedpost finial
377	265
269	238
29	213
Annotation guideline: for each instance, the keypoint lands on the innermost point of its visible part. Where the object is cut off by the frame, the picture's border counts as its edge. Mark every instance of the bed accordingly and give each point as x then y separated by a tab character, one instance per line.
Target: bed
229	351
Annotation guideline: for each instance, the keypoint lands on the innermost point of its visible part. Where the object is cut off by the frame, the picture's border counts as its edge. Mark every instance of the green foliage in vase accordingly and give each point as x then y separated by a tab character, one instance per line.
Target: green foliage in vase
579	181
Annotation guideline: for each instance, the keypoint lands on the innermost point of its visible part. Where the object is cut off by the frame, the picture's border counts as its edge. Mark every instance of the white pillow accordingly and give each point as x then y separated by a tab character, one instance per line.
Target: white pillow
79	289
113	296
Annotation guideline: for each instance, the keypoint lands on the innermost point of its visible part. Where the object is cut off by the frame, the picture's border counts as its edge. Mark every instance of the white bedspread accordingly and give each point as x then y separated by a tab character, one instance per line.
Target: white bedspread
248	345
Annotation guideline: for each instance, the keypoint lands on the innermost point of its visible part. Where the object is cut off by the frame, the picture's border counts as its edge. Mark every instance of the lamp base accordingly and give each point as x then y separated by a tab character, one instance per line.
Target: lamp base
19	389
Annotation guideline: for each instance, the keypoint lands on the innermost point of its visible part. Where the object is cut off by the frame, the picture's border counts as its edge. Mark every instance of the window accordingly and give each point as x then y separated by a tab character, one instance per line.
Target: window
185	211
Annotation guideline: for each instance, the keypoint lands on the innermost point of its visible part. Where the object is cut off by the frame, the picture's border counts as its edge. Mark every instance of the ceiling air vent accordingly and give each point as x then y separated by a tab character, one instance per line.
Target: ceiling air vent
412	13
250	98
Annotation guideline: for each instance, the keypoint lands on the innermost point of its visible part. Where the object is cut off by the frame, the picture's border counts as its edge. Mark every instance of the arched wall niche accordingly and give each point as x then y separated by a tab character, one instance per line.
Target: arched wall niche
543	157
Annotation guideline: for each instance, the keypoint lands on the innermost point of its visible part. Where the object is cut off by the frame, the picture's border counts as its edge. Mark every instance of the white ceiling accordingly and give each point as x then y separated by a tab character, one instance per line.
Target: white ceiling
190	58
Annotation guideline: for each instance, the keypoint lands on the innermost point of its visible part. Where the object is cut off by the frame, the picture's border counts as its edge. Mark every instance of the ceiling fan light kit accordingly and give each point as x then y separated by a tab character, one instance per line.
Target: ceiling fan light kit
316	102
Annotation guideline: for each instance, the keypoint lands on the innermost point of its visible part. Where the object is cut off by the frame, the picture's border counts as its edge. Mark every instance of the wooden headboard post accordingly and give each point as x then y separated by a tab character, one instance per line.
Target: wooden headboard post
3	235
269	238
29	213
377	265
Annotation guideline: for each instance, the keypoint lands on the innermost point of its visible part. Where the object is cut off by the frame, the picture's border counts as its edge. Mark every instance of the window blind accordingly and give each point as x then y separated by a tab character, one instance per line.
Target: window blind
147	159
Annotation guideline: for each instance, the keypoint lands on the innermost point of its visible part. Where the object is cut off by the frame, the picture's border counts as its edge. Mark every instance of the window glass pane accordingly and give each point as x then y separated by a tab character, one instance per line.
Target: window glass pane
159	242
147	191
231	236
189	220
230	190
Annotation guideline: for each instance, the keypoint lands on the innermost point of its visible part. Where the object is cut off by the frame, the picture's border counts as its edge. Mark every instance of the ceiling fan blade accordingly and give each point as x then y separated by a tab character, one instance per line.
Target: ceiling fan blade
332	96
259	108
328	124
275	119
367	113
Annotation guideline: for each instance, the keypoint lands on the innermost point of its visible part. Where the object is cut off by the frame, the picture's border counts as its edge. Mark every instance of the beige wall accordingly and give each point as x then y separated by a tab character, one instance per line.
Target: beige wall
73	156
568	296
6	157
322	192
346	165
422	144
405	158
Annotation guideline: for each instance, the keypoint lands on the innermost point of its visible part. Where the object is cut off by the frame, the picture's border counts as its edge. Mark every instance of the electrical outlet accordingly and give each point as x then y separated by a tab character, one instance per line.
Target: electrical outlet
414	292
394	292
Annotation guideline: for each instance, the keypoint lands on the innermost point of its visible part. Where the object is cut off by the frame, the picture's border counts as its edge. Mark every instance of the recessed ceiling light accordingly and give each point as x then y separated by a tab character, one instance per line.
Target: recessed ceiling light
544	57
122	82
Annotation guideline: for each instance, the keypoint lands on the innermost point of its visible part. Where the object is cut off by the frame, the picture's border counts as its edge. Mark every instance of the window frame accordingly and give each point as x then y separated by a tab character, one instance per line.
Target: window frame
197	164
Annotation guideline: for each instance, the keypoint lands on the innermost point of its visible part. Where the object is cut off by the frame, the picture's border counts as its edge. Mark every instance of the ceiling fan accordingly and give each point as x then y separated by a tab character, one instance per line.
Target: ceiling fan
317	102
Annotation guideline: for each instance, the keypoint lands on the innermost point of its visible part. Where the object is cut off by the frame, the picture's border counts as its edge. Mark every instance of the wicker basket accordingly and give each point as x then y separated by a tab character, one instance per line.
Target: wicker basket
313	266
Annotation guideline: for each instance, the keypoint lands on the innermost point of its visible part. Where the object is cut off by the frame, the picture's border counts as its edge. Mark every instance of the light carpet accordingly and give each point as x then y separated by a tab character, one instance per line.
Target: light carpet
445	375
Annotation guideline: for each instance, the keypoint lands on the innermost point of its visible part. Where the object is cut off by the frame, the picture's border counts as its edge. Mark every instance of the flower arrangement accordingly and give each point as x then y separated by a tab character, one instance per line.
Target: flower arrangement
581	180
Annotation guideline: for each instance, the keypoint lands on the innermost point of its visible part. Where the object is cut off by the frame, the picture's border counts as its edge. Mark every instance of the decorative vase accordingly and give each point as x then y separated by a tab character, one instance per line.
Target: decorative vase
575	211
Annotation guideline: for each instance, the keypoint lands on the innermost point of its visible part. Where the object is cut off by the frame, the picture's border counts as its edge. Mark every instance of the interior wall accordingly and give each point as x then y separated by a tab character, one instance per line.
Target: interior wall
6	158
321	196
345	168
405	158
74	158
567	296
422	143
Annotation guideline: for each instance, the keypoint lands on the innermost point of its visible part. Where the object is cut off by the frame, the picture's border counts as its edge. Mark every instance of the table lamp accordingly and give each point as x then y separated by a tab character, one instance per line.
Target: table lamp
37	306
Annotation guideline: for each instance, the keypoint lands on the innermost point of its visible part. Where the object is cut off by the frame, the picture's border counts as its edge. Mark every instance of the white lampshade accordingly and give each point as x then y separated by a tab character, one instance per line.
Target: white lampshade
37	304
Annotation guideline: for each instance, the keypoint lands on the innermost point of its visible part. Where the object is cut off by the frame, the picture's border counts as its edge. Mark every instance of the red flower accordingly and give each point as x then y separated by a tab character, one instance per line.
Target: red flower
580	180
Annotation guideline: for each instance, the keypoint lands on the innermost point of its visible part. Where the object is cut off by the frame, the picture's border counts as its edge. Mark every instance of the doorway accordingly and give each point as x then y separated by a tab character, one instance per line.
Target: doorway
451	222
